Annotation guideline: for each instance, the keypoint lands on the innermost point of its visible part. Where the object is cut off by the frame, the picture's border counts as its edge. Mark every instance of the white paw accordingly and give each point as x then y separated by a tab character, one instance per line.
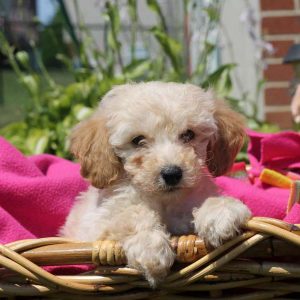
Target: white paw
151	253
220	219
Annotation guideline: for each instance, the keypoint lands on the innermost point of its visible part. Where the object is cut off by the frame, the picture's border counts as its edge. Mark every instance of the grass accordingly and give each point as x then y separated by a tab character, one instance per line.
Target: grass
14	98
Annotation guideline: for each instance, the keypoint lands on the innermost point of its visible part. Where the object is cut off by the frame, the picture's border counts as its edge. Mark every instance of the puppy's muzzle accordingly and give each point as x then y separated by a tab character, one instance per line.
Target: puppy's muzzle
171	175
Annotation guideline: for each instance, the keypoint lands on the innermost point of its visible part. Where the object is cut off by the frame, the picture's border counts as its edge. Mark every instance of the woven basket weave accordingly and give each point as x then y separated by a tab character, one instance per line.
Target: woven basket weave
262	263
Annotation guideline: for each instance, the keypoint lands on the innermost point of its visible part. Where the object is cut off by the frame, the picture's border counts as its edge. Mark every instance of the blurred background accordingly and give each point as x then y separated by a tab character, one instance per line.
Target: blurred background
58	58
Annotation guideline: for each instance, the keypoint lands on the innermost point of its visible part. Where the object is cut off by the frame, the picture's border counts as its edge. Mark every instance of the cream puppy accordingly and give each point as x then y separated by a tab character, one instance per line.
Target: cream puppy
150	151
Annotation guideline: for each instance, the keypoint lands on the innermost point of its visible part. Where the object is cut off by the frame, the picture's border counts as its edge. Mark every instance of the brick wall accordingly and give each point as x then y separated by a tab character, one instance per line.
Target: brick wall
280	25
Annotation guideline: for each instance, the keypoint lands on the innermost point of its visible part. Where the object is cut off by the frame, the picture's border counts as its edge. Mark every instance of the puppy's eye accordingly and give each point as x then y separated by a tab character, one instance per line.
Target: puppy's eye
139	140
187	136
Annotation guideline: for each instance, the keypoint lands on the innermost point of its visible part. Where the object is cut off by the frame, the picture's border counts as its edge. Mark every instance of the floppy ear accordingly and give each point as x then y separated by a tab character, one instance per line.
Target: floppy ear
223	148
90	144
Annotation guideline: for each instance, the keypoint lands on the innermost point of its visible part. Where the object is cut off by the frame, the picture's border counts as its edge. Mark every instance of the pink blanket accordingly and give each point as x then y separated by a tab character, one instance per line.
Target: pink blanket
36	192
280	151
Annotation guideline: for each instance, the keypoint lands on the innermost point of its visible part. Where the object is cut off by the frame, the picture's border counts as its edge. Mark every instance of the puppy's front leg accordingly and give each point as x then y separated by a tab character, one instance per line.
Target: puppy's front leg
219	219
150	251
146	242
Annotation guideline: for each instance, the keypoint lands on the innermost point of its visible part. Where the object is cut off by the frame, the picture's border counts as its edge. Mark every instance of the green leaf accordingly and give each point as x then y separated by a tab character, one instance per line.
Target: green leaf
171	47
132	9
38	140
220	80
259	86
137	69
112	12
23	59
209	47
234	102
81	112
262	126
155	7
65	60
213	13
201	68
31	82
242	156
17	128
113	42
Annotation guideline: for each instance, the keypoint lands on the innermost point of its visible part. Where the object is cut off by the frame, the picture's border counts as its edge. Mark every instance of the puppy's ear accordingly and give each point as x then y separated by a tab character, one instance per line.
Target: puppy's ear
90	145
223	148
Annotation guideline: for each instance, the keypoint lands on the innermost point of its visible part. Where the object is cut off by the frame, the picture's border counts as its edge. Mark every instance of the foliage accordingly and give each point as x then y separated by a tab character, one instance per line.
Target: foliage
55	109
51	41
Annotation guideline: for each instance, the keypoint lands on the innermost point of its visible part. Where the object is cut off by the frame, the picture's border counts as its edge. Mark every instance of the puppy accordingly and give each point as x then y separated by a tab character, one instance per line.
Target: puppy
150	152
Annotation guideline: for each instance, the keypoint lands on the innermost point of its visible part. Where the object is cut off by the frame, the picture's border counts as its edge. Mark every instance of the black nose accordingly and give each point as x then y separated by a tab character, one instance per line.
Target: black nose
171	175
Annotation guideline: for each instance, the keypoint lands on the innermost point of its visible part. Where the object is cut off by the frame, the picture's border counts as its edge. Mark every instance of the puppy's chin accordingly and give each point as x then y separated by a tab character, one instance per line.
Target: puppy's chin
163	192
171	189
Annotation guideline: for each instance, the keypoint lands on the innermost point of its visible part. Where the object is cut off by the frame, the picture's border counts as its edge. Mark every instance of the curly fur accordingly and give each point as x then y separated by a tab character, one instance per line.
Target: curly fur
128	200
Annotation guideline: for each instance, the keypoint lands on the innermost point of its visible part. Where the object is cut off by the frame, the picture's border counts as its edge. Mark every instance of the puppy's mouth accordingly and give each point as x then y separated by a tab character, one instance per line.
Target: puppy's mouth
170	189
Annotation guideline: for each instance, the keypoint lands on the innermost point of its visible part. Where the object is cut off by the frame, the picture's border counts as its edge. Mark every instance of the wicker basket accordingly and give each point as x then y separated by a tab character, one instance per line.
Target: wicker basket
262	263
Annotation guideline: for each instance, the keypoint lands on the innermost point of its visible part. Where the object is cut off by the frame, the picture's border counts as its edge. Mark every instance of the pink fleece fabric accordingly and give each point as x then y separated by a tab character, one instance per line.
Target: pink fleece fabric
36	193
280	151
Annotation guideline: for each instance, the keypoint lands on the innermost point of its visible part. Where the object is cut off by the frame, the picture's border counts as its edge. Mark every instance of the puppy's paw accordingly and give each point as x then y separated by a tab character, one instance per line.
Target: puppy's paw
220	219
151	253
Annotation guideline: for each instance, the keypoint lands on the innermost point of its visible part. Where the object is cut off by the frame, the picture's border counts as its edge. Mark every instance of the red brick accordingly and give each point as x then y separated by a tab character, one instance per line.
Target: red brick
280	47
281	25
276	4
283	119
279	73
277	96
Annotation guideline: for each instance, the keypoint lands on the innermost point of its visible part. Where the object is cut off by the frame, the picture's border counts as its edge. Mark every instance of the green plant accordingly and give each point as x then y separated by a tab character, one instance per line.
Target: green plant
55	108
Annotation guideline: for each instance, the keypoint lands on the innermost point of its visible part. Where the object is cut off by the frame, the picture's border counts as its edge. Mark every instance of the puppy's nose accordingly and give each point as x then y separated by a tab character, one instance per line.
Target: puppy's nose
171	174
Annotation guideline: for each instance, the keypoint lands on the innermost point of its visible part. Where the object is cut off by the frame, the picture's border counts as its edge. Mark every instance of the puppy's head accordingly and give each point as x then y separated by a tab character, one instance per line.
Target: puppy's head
161	136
